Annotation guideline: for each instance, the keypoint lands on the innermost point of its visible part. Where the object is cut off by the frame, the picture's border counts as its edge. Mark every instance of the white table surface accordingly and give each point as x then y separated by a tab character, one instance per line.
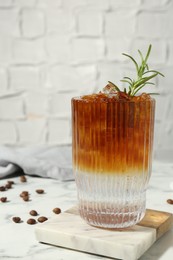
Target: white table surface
17	241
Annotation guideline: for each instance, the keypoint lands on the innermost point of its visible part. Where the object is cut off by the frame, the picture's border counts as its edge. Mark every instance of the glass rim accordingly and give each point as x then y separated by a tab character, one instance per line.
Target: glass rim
95	100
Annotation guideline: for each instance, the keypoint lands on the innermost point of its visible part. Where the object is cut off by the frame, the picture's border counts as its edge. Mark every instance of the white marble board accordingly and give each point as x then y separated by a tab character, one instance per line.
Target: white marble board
70	231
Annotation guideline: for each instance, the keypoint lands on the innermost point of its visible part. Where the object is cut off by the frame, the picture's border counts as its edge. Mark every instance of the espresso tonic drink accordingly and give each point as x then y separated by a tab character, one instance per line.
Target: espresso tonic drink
112	157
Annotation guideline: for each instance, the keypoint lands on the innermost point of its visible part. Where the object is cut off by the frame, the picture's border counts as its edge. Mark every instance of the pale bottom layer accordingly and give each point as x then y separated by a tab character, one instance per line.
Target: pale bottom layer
111	201
115	218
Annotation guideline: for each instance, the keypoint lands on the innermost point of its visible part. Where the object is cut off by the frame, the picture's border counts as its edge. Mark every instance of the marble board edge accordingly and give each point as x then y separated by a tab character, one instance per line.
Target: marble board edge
71	232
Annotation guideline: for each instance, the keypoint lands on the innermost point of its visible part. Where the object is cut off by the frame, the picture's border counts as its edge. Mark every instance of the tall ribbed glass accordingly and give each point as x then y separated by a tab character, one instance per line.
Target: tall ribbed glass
112	157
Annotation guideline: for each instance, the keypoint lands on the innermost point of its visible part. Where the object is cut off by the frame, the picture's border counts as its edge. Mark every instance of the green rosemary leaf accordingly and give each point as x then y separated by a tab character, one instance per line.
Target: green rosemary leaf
153	71
143	80
128	78
129	93
149	83
140	71
130	90
125	80
148	53
131	59
140	53
138	89
117	89
147	67
159	73
143	85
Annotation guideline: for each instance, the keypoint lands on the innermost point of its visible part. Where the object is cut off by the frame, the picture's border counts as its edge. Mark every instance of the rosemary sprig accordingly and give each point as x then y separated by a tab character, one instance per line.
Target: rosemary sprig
134	85
142	79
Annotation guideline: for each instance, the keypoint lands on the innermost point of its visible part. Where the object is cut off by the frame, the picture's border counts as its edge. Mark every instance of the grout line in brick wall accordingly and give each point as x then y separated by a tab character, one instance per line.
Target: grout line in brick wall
46	131
103	23
11	93
10	7
28	64
8	79
20	22
17	132
151	8
167	52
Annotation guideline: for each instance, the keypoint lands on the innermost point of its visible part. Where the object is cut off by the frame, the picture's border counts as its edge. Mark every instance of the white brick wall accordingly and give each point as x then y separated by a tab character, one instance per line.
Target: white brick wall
120	23
11	108
5	49
51	50
24	77
33	23
58	48
158	21
59	131
9	21
8	132
23	3
28	51
87	19
124	4
59	21
6	3
32	131
36	103
3	80
82	78
87	50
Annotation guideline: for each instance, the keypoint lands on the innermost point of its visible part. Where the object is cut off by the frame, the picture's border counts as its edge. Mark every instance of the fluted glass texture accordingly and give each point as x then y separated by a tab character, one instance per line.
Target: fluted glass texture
112	158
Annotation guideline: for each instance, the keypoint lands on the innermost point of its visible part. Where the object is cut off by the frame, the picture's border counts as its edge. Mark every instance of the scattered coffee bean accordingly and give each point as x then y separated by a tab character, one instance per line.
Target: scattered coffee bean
33	213
3	199
170	201
31	221
24	194
8	186
40	191
11	182
16	219
2	188
42	219
57	210
23	178
25	198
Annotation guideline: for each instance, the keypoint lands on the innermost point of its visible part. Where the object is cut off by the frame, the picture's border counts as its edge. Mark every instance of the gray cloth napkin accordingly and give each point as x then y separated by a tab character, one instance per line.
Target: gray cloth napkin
51	162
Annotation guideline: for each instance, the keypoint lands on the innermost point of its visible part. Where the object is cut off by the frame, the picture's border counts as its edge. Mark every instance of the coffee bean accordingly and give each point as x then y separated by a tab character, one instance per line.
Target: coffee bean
31	221
57	210
42	219
16	219
23	178
25	198
2	188
170	201
24	194
11	182
8	186
3	199
33	213
40	191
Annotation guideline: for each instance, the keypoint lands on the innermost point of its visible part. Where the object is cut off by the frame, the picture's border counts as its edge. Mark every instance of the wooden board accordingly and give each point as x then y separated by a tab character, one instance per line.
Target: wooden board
159	220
